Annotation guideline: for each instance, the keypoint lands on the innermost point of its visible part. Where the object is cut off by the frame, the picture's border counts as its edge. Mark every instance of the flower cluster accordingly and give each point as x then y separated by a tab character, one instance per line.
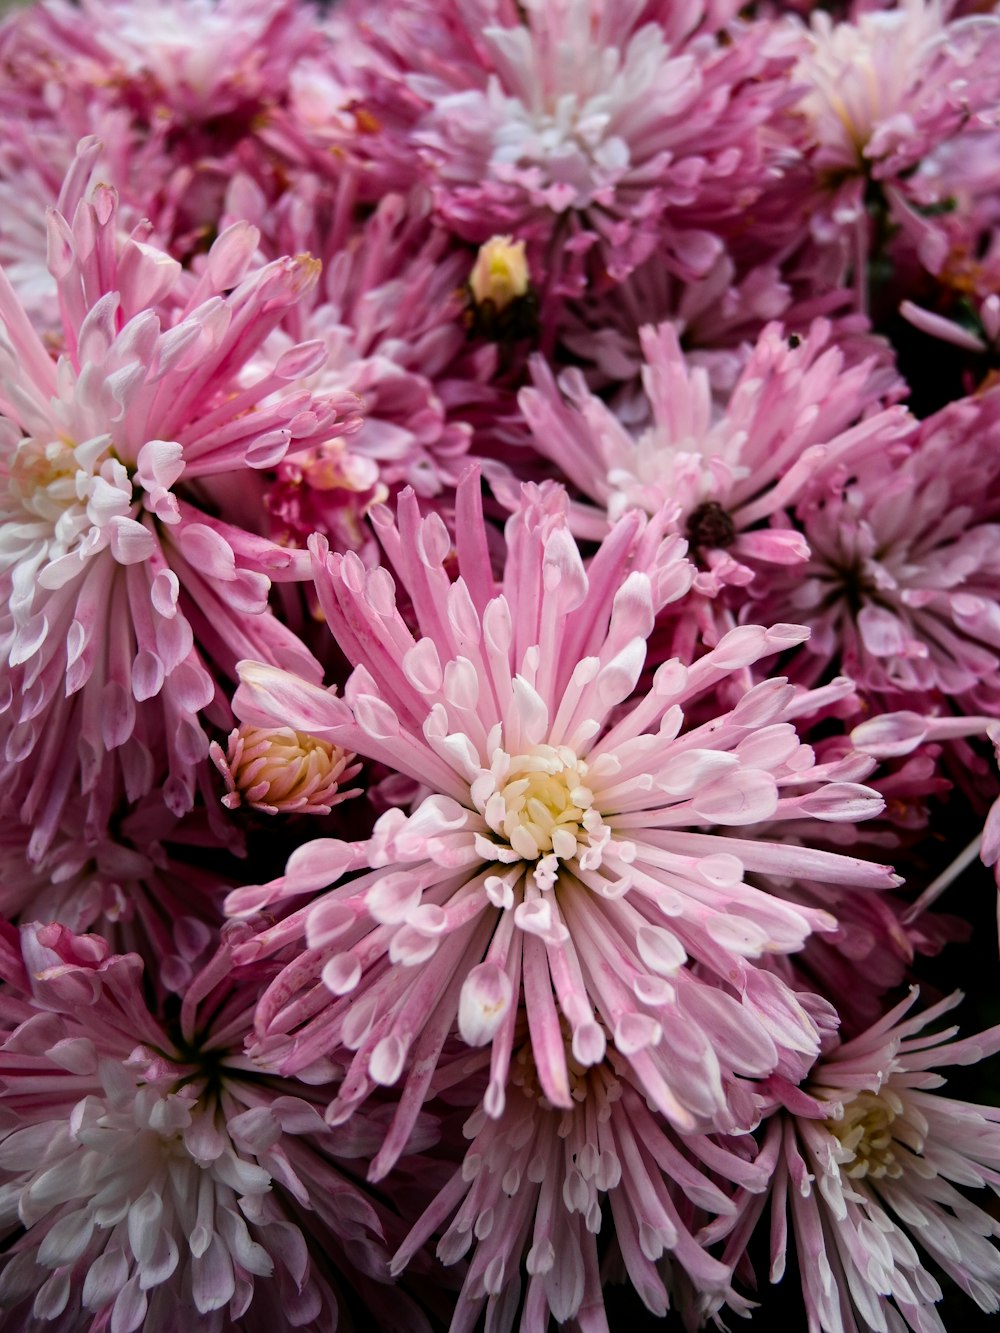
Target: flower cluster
500	645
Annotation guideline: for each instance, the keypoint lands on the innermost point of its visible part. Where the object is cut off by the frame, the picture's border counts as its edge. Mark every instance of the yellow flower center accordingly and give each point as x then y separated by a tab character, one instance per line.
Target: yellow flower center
866	1133
43	476
543	800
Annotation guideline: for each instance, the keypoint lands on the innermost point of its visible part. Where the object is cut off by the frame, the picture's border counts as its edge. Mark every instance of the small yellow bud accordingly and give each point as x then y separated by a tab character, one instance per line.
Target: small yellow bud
500	274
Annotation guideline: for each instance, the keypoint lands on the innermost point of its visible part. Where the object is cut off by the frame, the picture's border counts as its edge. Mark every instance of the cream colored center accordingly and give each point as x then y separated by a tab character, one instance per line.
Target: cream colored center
44	476
541	806
866	1132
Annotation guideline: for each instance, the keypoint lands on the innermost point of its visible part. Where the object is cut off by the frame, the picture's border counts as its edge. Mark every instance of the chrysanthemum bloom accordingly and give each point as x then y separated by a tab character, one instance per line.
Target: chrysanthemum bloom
283	770
718	318
795	413
346	107
881	93
878	936
151	1177
194	58
901	588
563	854
537	1185
176	91
138	883
866	1159
583	126
119	584
389	311
957	190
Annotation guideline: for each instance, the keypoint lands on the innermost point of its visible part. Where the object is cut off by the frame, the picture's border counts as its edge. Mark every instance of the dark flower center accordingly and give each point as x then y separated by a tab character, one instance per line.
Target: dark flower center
710	526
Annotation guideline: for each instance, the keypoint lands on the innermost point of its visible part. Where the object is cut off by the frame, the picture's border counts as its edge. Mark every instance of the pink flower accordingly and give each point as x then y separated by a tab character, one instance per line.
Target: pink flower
176	92
193	59
149	1174
718	317
901	586
882	95
795	413
885	89
389	310
956	192
347	111
536	1186
118	587
563	853
870	1162
138	883
583	126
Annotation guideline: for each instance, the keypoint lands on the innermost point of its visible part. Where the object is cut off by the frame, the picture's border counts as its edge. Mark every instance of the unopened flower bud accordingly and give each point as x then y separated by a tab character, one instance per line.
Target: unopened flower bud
332	466
500	273
283	771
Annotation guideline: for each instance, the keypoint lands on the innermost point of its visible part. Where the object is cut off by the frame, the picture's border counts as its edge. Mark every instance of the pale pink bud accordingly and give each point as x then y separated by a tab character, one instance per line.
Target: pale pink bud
283	770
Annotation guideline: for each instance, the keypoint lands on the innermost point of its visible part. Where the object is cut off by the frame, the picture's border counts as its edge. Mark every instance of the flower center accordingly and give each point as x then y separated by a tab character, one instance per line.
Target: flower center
71	489
541	806
710	526
866	1133
542	811
597	1082
45	475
